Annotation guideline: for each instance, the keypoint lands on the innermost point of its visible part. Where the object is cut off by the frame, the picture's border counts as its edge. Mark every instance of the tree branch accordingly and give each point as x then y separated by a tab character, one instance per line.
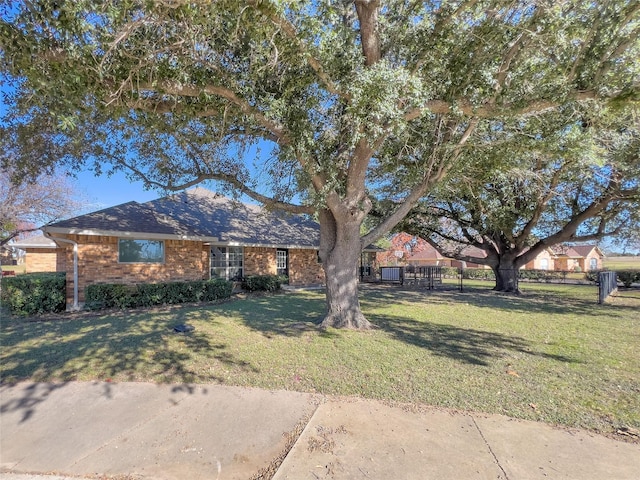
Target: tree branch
367	11
229	179
419	190
290	31
487	110
179	89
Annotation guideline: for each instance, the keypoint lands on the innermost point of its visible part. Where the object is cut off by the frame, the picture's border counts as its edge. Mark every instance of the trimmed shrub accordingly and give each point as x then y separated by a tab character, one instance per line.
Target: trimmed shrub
542	275
34	293
148	294
450	272
478	274
262	283
627	277
592	275
216	290
110	295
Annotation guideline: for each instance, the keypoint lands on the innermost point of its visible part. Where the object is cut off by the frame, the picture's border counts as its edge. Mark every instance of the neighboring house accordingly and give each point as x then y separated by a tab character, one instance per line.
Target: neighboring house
42	254
431	256
581	258
414	251
545	260
193	235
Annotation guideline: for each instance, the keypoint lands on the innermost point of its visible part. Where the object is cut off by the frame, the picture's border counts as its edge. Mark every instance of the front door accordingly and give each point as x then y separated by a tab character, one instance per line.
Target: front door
282	262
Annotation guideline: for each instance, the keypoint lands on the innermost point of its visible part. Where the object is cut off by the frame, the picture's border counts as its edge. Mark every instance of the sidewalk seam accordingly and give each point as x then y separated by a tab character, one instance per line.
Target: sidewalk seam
307	422
490	449
132	428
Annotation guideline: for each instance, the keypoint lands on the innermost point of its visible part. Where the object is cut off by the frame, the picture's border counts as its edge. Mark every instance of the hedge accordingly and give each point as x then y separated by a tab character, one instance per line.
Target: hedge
478	274
450	272
111	295
626	277
34	293
542	275
263	283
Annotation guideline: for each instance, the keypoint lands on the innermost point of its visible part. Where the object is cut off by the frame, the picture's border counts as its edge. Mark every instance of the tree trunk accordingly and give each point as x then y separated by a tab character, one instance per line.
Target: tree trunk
340	251
506	273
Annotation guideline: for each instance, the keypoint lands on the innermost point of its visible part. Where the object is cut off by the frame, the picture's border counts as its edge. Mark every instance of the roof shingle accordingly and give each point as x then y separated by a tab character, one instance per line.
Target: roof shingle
201	214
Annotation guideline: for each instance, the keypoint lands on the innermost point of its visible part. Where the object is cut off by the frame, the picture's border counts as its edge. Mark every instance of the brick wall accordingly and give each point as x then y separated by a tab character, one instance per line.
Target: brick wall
538	263
304	268
44	260
98	263
184	260
259	261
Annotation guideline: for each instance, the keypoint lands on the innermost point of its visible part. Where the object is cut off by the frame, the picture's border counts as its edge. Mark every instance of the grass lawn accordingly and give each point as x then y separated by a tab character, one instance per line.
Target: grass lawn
551	354
18	269
622	263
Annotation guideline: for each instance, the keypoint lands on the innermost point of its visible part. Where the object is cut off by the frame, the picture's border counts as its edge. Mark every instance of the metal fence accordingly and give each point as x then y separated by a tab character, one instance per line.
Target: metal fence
607	284
392	274
429	277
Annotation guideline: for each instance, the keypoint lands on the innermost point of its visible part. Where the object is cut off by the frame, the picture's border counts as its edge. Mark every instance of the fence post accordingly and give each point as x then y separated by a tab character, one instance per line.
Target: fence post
607	284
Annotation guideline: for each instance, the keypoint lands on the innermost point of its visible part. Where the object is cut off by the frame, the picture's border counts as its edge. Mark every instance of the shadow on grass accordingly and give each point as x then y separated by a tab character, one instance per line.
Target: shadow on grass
288	314
127	346
291	315
557	300
476	347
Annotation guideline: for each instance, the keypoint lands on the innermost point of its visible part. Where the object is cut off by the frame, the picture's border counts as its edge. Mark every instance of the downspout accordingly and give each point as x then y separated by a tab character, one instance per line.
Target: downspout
75	267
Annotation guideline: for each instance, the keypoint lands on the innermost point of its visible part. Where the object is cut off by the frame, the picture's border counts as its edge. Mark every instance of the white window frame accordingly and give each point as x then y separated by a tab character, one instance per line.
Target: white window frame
226	261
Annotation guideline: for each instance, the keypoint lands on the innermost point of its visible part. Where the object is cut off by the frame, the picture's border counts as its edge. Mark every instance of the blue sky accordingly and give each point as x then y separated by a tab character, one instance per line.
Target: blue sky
102	192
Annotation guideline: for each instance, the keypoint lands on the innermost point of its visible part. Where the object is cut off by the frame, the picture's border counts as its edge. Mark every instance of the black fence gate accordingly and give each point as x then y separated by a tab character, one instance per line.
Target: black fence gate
430	277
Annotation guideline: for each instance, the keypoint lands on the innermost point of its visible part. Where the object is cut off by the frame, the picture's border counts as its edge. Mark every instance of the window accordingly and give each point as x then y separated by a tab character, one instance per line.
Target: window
282	262
593	264
140	251
226	263
544	264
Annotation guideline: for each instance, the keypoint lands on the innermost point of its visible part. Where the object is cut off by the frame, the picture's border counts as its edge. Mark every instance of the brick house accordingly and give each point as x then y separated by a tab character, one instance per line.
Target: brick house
581	258
545	260
409	250
194	235
42	254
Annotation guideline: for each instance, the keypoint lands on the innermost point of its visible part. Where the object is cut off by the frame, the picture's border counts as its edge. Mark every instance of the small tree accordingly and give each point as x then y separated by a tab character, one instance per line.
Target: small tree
25	207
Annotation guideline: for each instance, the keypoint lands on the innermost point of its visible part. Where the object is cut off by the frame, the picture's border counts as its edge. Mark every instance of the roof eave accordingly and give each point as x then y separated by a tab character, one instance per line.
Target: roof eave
127	234
236	243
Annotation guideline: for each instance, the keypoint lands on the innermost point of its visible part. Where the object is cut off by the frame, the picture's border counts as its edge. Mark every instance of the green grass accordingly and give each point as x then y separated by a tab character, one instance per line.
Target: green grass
551	354
622	263
16	268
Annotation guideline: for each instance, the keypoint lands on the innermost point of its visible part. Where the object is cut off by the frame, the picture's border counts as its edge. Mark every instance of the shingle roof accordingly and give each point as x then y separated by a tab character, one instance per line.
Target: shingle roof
572	251
429	254
199	213
584	250
211	214
131	217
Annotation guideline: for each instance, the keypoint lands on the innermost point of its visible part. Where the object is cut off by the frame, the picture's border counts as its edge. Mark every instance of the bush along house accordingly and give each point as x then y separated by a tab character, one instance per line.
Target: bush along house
194	235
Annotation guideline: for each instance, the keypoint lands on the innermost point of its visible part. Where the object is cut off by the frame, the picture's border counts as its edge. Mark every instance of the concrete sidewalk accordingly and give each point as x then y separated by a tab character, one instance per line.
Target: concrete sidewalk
133	431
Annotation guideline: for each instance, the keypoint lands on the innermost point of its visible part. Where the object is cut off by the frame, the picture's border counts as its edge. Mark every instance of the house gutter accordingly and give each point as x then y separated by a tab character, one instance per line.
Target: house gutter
76	305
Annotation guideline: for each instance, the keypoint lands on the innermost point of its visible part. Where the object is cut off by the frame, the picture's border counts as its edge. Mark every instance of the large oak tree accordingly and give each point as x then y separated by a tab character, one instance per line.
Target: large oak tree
566	182
318	101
